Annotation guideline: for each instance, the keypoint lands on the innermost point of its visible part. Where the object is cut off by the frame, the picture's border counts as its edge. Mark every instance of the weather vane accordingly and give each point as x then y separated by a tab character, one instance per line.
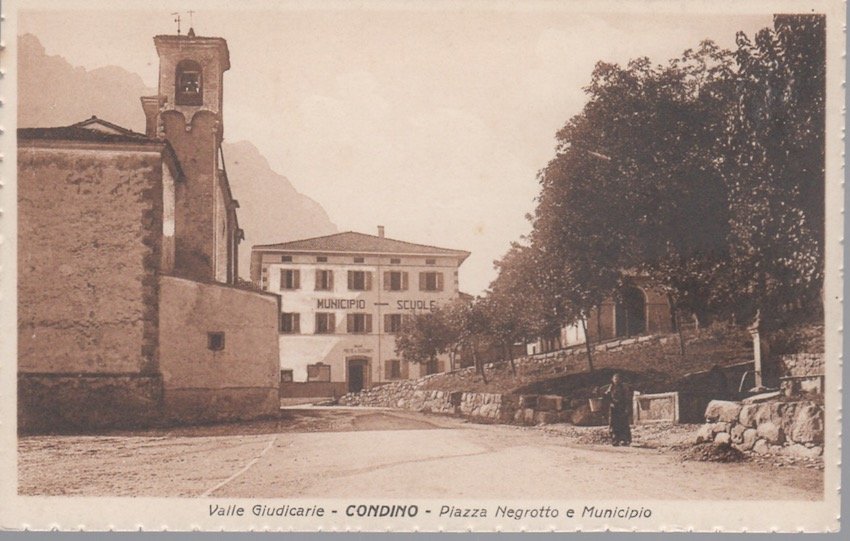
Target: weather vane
177	19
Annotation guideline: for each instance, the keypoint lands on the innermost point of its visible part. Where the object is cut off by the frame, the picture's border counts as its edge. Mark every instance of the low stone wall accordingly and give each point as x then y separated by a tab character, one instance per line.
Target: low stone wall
503	408
792	428
802	373
81	402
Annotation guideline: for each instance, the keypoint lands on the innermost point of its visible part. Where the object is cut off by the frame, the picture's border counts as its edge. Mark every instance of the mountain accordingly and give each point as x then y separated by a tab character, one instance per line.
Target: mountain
53	92
271	210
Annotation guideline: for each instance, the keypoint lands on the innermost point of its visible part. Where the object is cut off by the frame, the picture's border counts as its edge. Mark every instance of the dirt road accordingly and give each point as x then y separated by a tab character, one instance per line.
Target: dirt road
373	453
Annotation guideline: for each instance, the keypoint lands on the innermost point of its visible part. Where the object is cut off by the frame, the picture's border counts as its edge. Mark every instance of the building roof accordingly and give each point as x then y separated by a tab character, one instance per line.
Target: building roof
91	130
353	242
99	131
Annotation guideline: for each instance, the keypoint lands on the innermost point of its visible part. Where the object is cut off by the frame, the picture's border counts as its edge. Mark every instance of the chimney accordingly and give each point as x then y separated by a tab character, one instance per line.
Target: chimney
381	231
151	106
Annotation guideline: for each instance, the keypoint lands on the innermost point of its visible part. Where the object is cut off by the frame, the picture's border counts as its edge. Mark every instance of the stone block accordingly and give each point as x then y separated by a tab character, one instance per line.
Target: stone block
753	415
705	433
737	433
549	403
801	451
807	424
759	398
722	437
771	432
748	439
722	410
528	415
528	401
720	427
761	447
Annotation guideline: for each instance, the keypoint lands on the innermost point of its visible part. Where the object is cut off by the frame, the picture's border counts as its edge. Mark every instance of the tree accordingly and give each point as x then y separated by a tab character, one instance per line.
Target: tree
425	336
635	187
775	173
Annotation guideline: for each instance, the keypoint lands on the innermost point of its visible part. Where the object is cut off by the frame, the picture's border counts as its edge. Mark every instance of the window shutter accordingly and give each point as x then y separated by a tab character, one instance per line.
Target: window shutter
439	281
349	323
319	283
388	370
387	280
387	322
405	369
296	322
404	281
283	279
422	280
350	280
441	365
331	323
367	281
280	323
296	279
368	321
330	280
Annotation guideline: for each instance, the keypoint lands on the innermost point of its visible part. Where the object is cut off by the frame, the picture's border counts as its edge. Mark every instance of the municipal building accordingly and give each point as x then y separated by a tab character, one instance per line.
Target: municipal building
343	299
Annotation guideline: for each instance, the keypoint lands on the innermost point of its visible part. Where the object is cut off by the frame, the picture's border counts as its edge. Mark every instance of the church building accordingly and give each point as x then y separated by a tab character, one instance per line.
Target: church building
129	314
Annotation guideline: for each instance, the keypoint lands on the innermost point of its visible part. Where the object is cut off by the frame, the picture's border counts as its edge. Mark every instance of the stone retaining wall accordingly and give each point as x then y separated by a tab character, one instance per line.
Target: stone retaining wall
503	408
802	373
791	428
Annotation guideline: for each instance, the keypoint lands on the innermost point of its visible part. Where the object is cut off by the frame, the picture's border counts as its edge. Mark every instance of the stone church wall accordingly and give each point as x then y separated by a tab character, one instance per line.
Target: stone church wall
89	234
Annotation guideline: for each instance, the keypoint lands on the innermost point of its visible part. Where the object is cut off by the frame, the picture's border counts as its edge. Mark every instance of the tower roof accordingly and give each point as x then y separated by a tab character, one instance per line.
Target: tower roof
165	42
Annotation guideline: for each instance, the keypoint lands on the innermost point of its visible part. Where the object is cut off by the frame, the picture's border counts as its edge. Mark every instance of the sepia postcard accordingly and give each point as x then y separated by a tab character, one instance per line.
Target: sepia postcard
396	266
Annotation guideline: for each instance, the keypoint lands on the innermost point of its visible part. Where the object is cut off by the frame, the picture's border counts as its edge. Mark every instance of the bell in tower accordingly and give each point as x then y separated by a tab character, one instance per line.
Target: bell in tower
188	114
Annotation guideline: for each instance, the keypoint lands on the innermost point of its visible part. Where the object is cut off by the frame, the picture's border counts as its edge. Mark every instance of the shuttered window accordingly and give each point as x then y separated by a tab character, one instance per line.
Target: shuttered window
290	323
359	323
395	281
392	369
324	280
290	279
325	323
359	281
430	281
392	323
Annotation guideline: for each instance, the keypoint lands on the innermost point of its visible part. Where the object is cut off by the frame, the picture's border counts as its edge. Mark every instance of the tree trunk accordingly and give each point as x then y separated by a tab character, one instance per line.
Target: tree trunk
478	364
674	309
587	345
510	355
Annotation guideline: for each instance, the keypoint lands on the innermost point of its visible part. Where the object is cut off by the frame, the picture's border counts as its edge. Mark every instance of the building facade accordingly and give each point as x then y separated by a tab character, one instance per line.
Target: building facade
343	299
639	309
128	311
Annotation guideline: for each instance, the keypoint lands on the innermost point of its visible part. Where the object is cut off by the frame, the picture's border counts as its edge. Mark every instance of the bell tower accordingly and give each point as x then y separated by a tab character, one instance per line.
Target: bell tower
188	114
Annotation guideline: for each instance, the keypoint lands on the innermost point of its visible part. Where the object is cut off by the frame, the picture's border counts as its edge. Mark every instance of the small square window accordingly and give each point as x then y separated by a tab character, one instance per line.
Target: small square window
286	259
358	260
395	261
430	261
215	341
322	259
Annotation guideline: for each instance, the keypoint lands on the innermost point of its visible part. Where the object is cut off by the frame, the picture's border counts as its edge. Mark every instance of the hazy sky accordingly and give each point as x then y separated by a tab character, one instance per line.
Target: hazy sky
431	123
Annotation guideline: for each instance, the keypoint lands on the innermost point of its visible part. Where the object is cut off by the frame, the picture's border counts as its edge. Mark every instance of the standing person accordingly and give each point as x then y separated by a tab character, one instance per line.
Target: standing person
619	414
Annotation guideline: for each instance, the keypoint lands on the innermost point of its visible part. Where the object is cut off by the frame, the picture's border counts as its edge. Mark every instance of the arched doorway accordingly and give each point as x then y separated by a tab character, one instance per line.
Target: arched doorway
630	312
357	374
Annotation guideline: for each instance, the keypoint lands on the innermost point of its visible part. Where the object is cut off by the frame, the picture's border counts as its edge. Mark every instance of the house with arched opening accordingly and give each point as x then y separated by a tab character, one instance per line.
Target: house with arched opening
638	308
